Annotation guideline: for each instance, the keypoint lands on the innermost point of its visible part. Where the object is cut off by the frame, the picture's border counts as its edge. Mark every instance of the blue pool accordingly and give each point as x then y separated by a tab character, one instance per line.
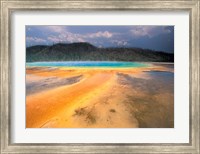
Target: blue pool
87	64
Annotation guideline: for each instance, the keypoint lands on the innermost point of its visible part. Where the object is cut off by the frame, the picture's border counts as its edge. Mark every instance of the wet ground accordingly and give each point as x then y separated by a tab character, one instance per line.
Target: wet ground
100	98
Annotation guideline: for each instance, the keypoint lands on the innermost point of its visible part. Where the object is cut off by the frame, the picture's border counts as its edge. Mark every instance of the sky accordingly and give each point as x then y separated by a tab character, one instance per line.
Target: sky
159	38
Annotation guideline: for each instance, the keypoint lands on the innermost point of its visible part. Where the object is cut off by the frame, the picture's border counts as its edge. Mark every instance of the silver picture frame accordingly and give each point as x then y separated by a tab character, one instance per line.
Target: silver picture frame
9	6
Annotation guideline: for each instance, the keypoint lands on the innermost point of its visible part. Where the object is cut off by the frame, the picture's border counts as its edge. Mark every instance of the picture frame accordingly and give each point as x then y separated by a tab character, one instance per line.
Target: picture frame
8	7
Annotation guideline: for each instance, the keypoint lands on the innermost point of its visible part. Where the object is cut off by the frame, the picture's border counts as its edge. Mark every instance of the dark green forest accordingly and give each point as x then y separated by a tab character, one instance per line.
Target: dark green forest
88	52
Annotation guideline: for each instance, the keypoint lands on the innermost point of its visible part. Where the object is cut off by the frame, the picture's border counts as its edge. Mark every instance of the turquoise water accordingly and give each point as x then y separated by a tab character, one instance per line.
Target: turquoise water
87	64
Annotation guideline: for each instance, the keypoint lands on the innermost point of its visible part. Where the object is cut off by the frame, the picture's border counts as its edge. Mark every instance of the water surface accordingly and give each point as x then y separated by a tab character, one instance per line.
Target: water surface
87	64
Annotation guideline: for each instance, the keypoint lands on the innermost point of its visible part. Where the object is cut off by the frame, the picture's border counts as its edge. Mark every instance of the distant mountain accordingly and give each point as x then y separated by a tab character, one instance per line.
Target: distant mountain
88	52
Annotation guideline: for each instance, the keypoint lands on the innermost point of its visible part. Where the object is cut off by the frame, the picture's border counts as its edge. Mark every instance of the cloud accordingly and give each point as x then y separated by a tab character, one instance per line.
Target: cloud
70	37
73	37
62	32
59	33
107	36
54	39
149	31
104	34
66	37
35	40
56	29
28	28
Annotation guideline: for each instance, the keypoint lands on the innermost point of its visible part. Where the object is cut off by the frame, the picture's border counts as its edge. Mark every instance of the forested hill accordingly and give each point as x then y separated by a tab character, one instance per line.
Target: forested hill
88	52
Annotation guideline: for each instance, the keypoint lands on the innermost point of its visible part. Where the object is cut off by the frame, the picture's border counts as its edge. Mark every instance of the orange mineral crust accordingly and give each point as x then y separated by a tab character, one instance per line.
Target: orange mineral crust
70	97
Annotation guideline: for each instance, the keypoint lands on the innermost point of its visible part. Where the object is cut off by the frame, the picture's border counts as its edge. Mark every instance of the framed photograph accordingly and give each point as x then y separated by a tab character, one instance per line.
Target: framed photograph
100	76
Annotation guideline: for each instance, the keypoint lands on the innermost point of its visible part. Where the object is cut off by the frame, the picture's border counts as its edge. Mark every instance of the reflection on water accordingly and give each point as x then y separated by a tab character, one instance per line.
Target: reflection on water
161	75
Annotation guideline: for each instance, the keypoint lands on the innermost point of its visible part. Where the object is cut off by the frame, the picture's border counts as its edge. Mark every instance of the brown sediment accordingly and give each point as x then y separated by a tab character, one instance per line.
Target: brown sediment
103	98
